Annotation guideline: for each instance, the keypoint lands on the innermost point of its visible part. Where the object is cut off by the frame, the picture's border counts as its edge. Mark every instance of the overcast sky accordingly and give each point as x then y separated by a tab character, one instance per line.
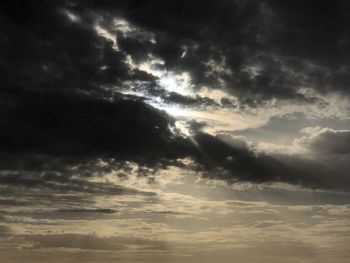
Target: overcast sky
174	131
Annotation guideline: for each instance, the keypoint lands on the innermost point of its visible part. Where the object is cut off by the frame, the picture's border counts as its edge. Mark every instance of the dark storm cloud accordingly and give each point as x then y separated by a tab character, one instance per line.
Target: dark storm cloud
218	157
231	159
315	173
49	62
45	51
60	79
84	128
260	49
60	125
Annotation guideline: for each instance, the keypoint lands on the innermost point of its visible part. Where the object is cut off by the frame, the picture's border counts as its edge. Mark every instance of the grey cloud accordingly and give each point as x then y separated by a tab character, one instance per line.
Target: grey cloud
197	101
260	50
195	126
97	210
326	141
153	90
65	121
79	125
60	94
91	242
62	182
73	241
73	214
283	129
4	231
230	159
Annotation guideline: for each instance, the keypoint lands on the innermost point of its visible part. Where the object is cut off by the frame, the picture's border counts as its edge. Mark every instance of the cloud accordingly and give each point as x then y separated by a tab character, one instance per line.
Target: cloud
5	231
197	101
53	176
81	126
92	242
50	53
325	140
73	241
256	51
284	128
67	64
222	156
100	210
263	50
234	159
91	168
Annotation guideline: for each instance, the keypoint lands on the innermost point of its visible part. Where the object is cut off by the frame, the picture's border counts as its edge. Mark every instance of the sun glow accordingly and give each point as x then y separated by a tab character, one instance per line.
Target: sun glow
175	111
169	83
179	83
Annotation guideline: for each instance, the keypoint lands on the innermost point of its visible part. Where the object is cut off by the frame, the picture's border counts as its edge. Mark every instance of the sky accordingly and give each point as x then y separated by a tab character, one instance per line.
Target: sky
174	131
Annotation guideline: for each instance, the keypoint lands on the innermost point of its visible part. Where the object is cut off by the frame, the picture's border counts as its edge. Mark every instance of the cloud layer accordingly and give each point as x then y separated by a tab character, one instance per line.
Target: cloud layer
68	65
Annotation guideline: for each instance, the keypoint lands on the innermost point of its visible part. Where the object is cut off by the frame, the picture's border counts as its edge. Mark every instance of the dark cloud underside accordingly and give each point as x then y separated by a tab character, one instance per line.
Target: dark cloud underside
60	80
